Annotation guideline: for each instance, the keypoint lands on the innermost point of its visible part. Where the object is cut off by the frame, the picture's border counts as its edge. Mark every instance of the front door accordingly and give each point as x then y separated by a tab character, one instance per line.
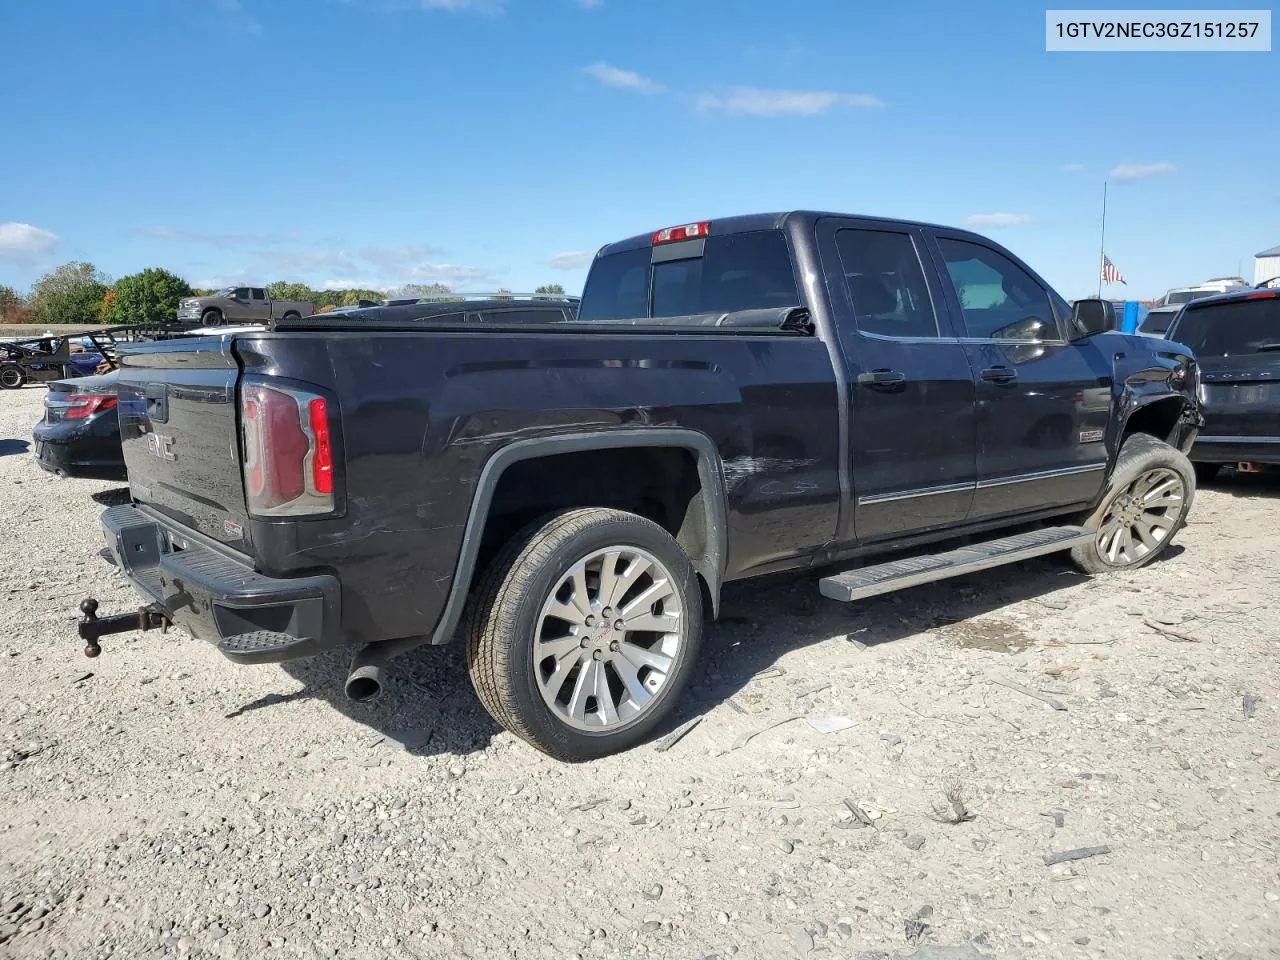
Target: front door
912	431
1043	401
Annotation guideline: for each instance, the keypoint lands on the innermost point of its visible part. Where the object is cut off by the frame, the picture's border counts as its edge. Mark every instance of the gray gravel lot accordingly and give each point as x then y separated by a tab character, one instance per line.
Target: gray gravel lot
160	801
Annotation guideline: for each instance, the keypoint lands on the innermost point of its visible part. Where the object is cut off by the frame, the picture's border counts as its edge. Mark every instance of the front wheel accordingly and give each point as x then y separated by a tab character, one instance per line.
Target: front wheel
12	376
584	631
211	318
1146	504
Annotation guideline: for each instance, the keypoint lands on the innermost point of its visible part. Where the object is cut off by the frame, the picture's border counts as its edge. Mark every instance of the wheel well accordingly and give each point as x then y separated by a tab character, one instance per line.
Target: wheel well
1158	418
659	483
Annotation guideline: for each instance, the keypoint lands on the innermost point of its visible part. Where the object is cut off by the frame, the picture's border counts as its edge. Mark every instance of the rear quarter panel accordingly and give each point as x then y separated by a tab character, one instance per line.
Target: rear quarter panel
423	413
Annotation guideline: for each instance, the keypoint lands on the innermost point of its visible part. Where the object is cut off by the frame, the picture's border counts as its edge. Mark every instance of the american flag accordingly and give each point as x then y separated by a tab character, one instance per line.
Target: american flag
1109	272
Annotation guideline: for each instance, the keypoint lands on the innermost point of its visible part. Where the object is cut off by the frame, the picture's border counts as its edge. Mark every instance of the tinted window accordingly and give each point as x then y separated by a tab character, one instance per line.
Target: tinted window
1231	329
1156	322
617	287
259	293
999	299
886	284
740	271
241	293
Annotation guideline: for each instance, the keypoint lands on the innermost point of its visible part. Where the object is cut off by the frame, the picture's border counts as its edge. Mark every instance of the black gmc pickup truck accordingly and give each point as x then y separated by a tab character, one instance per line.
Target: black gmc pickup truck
734	398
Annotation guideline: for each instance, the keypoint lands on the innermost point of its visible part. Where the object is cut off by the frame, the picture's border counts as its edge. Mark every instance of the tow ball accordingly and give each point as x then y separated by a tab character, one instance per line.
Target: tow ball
91	626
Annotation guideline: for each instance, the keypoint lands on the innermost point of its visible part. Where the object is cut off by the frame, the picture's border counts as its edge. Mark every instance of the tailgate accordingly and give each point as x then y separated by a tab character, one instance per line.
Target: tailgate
178	427
1241	395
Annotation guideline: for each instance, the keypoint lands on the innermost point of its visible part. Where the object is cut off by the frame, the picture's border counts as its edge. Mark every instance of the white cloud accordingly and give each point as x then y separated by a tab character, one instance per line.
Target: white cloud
614	77
237	18
1073	168
396	257
996	221
217	239
447	273
480	6
1128	172
570	260
22	241
352	285
782	103
304	261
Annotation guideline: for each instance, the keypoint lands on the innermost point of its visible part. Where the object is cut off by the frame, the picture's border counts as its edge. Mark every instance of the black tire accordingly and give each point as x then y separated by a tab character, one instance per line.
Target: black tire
211	318
292	315
1207	472
12	376
1142	456
506	619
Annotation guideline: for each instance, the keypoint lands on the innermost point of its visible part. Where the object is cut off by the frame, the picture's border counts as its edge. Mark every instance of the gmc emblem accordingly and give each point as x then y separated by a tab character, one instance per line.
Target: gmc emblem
158	445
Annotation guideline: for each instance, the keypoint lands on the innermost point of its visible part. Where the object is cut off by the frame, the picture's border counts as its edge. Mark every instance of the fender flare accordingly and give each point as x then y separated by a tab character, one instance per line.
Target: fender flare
710	474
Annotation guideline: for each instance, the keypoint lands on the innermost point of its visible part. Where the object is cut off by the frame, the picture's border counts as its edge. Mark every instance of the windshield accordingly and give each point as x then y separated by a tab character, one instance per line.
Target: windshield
737	271
1234	328
224	292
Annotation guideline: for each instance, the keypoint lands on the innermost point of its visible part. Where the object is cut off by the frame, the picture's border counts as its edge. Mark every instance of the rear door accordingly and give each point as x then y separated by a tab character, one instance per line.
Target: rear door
179	433
1237	345
911	390
1043	402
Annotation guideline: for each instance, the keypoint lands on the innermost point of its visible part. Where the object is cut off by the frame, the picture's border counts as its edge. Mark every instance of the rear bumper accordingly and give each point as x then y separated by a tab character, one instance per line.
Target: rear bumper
78	453
1219	449
213	594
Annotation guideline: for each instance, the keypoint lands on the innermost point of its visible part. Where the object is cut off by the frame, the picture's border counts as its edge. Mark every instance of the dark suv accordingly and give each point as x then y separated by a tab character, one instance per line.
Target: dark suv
1236	337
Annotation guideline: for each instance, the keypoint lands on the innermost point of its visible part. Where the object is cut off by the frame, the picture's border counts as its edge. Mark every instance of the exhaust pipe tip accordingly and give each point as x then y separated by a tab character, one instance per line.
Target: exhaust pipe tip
364	683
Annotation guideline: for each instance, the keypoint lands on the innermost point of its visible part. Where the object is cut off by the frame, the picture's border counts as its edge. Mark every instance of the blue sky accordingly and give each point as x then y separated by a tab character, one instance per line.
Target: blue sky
489	143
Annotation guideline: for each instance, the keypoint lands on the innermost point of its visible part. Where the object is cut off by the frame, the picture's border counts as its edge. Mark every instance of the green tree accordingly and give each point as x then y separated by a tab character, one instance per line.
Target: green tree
550	290
71	294
285	290
149	296
13	306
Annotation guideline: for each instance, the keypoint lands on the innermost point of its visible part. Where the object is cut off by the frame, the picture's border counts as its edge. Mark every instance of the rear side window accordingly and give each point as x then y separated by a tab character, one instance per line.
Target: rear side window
739	271
259	293
1231	329
886	284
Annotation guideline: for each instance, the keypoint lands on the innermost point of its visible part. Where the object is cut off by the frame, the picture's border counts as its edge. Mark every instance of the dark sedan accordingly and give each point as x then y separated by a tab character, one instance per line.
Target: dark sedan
80	433
1236	339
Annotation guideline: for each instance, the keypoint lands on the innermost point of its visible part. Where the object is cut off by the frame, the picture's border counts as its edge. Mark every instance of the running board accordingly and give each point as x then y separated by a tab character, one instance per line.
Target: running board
898	574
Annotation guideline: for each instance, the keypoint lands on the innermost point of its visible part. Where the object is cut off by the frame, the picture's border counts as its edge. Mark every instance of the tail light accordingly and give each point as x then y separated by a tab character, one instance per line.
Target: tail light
288	451
688	231
85	405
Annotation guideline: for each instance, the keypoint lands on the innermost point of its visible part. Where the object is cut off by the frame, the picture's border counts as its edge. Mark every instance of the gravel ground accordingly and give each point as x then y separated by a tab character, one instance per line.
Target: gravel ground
160	801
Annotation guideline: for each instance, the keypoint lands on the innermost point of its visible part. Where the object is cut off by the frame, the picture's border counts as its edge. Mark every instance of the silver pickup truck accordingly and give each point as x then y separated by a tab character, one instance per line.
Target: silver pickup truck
241	305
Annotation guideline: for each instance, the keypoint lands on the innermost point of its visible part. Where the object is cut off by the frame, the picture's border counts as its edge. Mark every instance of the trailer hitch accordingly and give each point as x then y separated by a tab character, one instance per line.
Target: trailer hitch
91	626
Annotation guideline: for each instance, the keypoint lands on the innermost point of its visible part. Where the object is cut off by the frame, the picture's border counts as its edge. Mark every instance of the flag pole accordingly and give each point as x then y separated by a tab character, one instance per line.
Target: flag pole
1102	254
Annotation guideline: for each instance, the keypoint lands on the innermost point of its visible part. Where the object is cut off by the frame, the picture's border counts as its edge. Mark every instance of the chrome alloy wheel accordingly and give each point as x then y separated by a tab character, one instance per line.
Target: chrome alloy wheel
608	638
1142	518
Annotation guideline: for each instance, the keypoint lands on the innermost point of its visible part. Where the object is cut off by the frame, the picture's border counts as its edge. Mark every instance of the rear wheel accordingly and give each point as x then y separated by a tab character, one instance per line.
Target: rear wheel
292	315
12	376
584	632
1146	504
1207	472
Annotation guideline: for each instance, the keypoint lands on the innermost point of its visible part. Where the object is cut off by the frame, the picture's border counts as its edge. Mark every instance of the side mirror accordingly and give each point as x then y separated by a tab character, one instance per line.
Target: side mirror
1092	316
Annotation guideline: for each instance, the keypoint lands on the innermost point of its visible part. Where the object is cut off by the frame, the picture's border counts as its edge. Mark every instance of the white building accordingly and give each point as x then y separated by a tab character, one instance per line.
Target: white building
1266	265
